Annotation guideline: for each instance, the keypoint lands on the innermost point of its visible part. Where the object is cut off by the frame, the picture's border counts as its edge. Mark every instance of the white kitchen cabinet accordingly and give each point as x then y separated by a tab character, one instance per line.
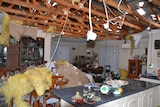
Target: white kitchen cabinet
149	97
115	103
119	103
146	98
158	95
158	88
153	97
133	100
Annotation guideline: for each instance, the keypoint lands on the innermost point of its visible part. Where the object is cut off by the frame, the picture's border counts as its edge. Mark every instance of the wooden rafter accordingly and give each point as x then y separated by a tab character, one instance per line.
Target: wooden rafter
41	14
114	4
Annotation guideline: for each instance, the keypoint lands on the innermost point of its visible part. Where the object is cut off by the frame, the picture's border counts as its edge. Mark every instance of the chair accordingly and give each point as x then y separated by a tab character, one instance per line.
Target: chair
98	71
49	99
32	99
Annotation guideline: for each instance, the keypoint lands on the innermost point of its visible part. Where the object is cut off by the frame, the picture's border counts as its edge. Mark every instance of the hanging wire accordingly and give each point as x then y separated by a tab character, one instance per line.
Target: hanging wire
110	21
120	1
109	9
123	19
105	10
59	39
90	21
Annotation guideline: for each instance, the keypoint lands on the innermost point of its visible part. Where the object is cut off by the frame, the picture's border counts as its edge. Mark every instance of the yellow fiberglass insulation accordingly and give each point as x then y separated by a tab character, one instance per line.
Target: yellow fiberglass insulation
51	29
16	87
5	35
62	62
41	79
19	85
131	38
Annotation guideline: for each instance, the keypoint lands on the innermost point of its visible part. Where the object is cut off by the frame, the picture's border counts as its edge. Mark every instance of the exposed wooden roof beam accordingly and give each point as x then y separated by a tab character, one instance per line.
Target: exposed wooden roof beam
156	2
95	13
115	5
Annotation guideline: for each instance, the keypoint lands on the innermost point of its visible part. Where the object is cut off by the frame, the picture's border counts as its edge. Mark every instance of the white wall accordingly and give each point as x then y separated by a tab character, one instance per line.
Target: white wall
124	54
80	49
152	52
47	44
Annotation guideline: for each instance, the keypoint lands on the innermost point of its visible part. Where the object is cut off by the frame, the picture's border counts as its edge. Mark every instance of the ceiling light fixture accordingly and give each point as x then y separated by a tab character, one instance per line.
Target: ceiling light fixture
81	5
141	11
48	1
90	34
149	0
106	25
153	16
54	4
54	17
148	28
109	29
140	4
65	12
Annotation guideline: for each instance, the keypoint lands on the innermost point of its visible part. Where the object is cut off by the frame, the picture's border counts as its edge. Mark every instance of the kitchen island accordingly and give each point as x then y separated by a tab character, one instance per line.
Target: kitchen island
135	94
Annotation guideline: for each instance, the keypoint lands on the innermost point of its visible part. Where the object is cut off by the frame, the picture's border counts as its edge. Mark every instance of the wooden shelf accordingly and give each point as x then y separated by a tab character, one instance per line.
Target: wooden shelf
30	51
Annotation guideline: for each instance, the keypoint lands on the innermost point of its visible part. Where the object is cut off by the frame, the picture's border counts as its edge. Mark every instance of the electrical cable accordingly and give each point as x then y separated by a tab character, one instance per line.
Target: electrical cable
59	39
90	21
119	6
121	24
105	10
110	21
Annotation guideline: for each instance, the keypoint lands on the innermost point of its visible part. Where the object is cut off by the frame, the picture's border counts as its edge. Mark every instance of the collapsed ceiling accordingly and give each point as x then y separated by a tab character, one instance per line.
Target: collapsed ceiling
109	19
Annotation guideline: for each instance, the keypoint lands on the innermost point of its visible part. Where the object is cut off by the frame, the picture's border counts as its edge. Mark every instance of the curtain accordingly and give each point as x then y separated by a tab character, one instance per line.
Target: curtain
109	56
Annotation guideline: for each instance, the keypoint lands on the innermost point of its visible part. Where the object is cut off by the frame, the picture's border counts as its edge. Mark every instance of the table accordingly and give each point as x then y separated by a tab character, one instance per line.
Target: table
133	87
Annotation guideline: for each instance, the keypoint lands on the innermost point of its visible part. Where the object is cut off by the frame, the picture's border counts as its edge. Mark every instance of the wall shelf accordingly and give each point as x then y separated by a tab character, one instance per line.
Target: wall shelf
31	51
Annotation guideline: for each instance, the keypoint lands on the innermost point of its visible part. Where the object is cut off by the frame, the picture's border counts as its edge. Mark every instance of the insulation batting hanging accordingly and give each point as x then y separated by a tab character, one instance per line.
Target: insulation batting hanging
5	35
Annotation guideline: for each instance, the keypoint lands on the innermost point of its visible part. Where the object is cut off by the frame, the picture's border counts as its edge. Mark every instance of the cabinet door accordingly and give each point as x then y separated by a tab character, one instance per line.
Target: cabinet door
133	100
116	103
153	102
144	99
158	101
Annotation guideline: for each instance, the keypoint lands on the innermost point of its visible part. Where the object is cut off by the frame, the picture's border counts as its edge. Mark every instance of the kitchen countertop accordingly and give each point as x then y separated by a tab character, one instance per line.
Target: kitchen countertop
150	77
134	86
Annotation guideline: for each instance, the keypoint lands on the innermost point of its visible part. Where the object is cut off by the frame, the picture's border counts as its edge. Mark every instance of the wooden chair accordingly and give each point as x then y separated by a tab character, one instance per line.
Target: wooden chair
49	99
32	99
